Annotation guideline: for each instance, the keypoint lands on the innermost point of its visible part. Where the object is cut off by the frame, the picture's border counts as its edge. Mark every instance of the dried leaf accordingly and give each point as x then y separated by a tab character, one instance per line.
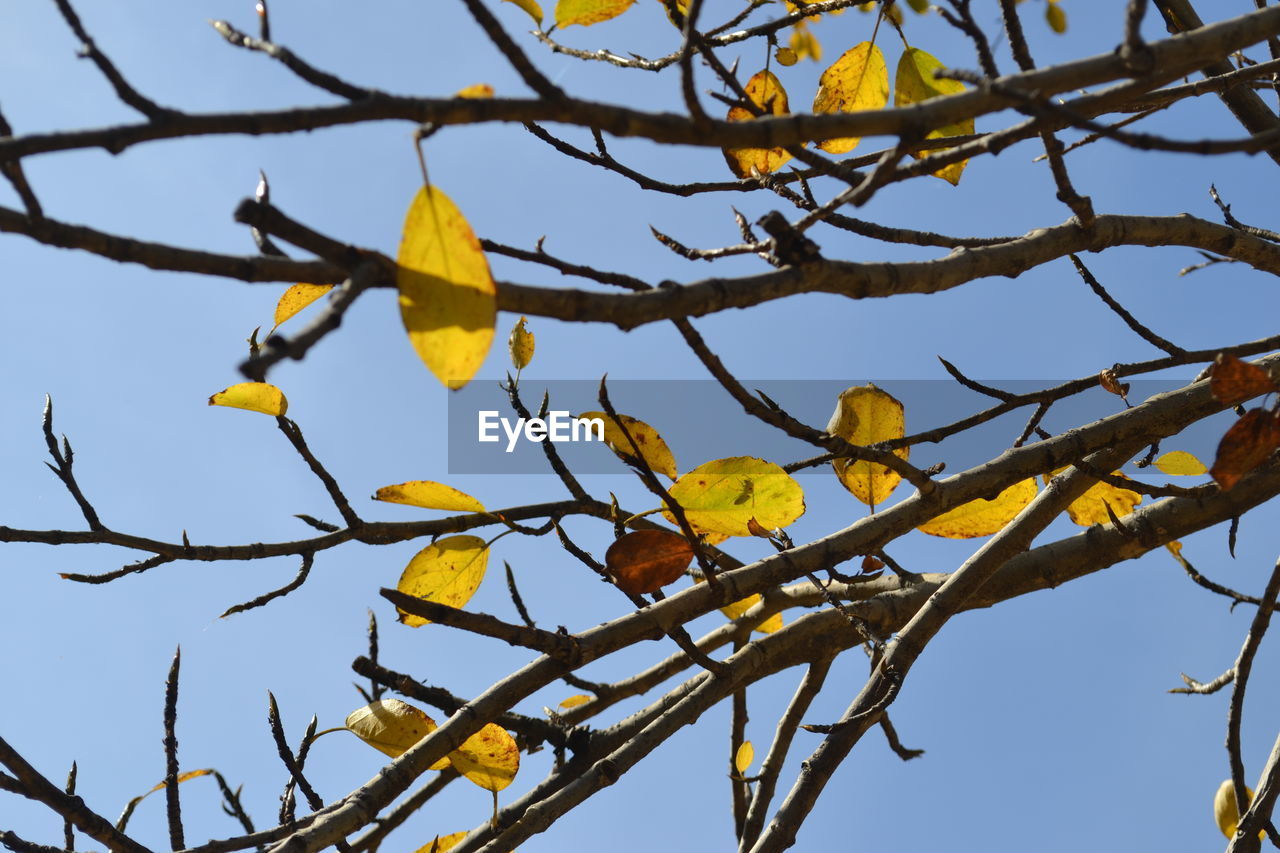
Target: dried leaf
296	298
1111	383
653	449
447	571
1250	442
745	755
392	727
723	495
914	83
867	415
982	517
447	297
430	495
647	560
575	700
254	396
588	12
490	758
872	563
858	80
1180	463
520	344
1233	381
766	92
443	843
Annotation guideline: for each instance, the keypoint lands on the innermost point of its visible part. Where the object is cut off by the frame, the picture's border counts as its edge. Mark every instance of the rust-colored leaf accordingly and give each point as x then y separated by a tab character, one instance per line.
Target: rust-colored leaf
1110	382
1250	442
1234	381
647	560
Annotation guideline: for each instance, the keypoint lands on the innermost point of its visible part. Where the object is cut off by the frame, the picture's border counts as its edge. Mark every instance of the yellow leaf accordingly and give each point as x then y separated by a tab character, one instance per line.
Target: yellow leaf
858	80
575	701
254	396
866	415
737	608
1180	463
786	56
442	843
919	6
520	345
914	83
982	517
479	91
766	92
1091	507
1056	17
532	7
446	290
429	494
588	12
722	496
392	727
804	43
746	754
653	449
182	777
490	758
1225	812
447	571
296	298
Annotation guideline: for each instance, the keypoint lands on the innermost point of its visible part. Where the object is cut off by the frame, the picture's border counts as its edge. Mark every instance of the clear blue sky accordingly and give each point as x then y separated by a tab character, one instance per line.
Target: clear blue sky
1046	720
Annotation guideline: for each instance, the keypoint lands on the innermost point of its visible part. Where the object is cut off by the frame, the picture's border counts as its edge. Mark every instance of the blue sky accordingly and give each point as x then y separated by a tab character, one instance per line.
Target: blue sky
1045	720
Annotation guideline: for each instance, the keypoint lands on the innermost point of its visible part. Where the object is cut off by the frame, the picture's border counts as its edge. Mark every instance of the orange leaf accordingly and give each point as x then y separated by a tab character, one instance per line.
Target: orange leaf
647	560
1234	381
1250	442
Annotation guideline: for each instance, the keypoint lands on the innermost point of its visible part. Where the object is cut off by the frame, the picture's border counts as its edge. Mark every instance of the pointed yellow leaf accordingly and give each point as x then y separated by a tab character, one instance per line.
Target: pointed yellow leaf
858	80
1091	507
532	7
766	92
442	843
182	777
745	755
915	82
477	91
1225	813
1056	17
982	517
722	496
1180	463
391	727
588	12
429	494
490	758
447	571
446	290
520	344
254	396
575	701
296	298
803	42
653	449
866	415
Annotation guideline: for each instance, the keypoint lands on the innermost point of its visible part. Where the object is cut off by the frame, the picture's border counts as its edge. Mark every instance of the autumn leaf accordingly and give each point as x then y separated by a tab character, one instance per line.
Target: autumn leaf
804	43
490	758
786	56
447	298
159	786
478	91
1112	384
647	560
447	571
722	496
653	449
858	80
1233	381
520	344
914	83
1091	507
443	843
867	415
982	517
294	299
430	495
392	727
575	700
254	396
766	92
1225	813
532	8
588	12
1250	442
743	758
738	608
1180	463
1056	18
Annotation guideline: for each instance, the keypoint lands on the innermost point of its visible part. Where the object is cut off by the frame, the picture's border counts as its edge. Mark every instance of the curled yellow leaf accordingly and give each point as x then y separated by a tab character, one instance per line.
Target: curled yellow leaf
447	571
766	92
447	297
478	91
722	496
858	80
520	344
867	415
982	517
429	494
914	83
254	396
531	7
490	758
296	298
588	12
653	449
392	727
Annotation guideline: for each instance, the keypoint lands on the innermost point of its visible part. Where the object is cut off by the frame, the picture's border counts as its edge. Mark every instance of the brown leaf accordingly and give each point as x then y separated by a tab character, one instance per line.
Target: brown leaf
871	563
1250	442
758	529
647	560
1110	382
1234	381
